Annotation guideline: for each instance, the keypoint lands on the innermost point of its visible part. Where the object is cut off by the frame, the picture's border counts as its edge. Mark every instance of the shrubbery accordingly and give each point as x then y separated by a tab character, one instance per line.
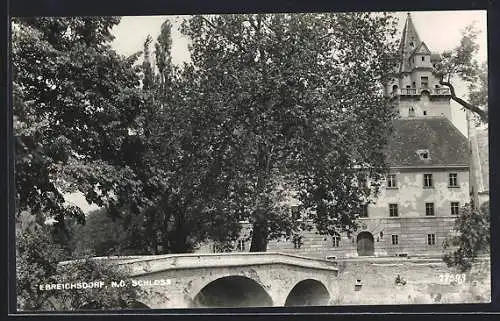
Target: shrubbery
472	239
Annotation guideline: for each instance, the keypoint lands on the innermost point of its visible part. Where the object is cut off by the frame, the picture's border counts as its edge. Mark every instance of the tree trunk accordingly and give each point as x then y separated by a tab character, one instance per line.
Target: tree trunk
259	236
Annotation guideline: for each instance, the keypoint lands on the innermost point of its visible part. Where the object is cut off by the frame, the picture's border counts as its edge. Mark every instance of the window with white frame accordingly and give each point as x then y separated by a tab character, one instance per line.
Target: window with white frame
391	181
453	180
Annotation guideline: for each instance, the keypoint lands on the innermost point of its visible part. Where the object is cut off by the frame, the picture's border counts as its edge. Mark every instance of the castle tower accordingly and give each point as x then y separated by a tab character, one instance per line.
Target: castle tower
414	86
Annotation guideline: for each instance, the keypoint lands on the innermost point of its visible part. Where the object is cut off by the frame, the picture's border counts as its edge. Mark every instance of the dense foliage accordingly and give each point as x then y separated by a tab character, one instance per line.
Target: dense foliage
37	264
292	102
472	238
74	101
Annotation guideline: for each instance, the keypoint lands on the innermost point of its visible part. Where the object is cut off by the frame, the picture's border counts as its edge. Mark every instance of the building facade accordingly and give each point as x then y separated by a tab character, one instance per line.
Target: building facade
428	179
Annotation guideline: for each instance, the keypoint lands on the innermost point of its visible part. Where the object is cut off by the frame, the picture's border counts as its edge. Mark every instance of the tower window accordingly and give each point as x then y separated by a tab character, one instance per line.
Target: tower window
423	58
424	81
425	113
241	245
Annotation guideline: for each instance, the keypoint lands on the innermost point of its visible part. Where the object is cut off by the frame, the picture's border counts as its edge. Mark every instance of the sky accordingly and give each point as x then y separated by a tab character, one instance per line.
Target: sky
440	30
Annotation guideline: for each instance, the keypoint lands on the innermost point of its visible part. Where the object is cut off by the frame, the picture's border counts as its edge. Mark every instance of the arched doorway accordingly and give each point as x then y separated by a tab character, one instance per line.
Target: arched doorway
232	291
307	293
365	244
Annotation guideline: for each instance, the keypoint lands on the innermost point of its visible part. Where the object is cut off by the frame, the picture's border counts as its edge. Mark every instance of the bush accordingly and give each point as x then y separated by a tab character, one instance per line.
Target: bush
37	263
473	238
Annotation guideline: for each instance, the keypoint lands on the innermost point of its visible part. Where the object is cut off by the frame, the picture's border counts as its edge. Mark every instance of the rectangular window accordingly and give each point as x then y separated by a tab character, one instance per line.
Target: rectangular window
336	241
453	180
424	81
427	180
454	208
241	245
393	210
423	58
363	210
391	181
394	240
431	239
429	209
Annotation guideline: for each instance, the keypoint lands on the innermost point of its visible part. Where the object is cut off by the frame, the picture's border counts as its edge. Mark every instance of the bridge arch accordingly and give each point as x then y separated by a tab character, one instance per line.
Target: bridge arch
232	291
308	292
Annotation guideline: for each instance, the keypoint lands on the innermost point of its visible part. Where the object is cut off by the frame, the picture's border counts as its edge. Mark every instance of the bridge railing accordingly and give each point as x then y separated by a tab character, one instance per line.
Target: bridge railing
140	265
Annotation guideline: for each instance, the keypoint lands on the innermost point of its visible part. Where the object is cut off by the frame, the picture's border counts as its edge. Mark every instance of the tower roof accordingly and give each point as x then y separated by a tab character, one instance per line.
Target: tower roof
409	42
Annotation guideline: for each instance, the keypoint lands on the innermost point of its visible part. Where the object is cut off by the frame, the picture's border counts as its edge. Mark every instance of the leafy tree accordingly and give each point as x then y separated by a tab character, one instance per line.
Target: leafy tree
163	48
472	239
182	198
292	102
460	63
148	79
100	235
75	101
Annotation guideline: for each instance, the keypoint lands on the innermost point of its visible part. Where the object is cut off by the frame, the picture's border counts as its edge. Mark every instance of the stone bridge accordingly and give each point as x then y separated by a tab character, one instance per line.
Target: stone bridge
230	279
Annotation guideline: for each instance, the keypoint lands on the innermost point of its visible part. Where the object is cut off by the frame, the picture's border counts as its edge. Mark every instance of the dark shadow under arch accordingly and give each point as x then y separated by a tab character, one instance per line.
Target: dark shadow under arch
232	291
308	293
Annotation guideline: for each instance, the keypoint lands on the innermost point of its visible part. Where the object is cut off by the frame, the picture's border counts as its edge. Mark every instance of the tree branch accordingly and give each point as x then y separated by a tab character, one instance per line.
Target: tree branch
482	113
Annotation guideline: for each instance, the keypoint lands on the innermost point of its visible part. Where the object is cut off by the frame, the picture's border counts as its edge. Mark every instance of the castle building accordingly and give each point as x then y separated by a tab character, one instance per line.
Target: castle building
428	179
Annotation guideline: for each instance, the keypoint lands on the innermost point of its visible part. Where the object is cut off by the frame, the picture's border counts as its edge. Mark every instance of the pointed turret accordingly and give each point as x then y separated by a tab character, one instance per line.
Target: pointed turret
414	86
409	41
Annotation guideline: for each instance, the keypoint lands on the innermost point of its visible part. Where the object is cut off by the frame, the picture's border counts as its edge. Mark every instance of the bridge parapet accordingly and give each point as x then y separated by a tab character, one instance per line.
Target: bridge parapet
139	265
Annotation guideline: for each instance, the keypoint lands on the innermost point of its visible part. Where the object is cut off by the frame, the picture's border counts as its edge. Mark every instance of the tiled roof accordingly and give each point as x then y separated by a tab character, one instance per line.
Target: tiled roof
421	49
445	143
